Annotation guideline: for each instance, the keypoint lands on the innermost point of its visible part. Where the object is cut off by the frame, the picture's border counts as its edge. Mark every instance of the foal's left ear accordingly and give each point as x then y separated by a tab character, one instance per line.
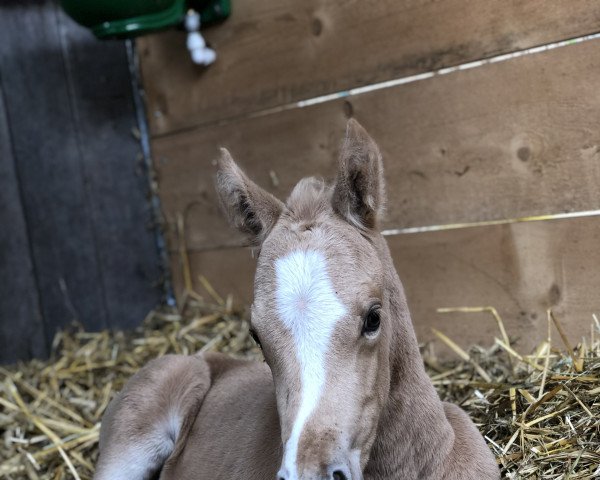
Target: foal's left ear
359	193
252	210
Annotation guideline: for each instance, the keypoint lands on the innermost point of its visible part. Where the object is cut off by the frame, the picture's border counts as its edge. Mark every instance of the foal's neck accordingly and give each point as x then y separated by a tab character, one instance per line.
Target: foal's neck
414	434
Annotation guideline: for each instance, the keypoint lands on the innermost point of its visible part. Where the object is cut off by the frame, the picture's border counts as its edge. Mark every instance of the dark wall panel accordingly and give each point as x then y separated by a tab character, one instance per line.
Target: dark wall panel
112	166
70	114
48	160
21	327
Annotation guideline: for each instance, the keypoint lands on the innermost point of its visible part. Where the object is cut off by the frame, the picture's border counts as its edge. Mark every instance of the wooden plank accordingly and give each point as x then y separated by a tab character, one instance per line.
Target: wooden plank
277	52
112	166
21	326
506	140
48	163
521	269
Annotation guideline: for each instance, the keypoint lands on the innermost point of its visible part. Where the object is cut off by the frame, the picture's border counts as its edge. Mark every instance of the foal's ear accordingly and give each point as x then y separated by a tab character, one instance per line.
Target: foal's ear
252	210
359	193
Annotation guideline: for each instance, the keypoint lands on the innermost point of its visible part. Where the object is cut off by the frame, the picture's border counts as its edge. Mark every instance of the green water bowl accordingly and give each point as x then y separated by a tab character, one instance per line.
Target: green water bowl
130	18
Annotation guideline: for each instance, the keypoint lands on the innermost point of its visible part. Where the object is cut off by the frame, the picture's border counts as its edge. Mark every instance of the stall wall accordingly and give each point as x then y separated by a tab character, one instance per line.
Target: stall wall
471	153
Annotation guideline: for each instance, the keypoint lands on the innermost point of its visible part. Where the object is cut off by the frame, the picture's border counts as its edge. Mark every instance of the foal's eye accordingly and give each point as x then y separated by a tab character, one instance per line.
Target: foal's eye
255	337
372	320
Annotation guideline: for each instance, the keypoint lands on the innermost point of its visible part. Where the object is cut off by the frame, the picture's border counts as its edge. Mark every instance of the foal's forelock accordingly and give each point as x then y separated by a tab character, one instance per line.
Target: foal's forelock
309	308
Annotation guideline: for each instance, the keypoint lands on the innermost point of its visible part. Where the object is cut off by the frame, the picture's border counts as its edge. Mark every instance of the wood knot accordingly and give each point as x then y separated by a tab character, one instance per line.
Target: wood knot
316	27
348	109
524	153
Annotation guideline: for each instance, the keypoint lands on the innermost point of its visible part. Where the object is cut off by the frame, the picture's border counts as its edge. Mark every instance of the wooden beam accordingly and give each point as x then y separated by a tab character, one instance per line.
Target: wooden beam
520	269
272	53
506	140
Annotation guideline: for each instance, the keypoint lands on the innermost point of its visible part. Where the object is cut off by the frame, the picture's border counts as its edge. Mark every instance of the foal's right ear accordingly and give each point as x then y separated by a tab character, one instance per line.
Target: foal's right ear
252	210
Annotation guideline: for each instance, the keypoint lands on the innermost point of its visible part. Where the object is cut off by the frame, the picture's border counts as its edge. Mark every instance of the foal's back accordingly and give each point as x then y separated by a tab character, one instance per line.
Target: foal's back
238	420
195	417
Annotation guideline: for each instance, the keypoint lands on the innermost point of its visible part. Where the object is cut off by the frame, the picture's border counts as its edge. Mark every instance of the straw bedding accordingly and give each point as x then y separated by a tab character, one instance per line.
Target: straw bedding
539	413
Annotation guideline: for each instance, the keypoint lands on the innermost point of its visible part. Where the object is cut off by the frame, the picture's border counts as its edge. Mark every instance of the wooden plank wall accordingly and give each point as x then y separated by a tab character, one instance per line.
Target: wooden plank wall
505	140
276	52
76	238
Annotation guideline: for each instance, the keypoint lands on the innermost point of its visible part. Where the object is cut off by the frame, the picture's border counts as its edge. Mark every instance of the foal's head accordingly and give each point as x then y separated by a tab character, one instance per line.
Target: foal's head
320	312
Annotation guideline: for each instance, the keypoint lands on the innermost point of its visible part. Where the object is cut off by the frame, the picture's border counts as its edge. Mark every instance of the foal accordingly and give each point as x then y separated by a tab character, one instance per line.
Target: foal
343	394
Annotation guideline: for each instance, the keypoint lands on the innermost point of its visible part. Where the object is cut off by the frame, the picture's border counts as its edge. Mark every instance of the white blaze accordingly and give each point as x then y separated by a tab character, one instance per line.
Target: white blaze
308	306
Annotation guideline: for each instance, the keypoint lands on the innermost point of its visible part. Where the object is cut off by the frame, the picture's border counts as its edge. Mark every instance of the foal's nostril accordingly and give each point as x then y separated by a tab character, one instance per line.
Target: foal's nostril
339	475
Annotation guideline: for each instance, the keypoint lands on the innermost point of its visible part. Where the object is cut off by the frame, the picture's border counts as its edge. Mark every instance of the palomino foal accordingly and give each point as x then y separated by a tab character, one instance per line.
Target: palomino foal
343	393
